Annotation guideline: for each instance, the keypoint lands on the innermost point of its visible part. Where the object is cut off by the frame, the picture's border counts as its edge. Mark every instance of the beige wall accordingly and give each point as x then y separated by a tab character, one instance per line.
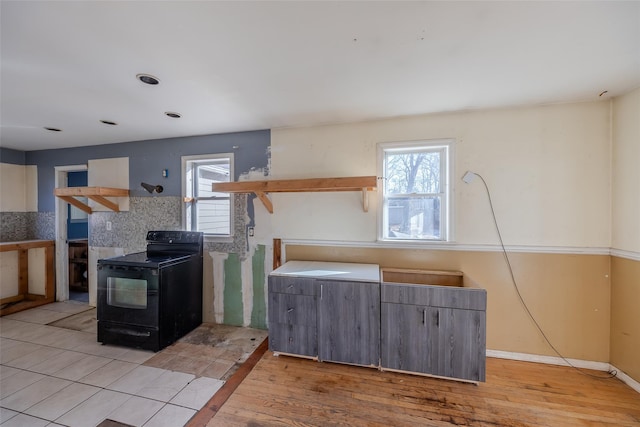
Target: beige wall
567	294
548	168
18	188
625	269
625	316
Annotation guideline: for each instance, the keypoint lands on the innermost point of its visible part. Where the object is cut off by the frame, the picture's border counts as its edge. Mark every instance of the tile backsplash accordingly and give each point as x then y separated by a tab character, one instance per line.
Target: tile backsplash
17	226
129	229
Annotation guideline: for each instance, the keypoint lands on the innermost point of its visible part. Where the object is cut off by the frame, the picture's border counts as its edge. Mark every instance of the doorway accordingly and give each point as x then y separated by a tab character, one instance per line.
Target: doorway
78	243
66	222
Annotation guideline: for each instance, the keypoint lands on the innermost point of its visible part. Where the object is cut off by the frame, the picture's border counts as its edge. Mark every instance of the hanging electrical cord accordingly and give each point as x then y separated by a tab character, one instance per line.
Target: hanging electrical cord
611	373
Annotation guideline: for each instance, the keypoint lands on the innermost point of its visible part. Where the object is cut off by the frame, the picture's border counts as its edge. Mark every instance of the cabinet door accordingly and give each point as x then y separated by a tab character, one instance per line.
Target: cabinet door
349	322
456	340
404	344
434	340
293	324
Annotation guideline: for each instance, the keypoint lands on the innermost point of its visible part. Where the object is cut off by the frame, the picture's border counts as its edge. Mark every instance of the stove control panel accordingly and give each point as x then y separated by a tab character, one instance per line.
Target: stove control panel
174	236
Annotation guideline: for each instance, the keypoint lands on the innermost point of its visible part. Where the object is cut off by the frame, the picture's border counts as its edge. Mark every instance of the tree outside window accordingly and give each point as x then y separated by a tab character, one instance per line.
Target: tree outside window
415	196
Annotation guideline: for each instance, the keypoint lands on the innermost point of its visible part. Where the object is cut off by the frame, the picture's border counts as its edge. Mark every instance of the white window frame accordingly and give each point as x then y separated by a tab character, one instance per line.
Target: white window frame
447	191
186	194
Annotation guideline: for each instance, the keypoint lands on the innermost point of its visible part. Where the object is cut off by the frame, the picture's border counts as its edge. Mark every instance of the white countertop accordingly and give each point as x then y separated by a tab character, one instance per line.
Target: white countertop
330	270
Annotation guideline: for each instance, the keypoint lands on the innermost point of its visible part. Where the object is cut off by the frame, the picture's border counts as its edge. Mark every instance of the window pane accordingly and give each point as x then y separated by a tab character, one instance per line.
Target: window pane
412	172
413	218
209	212
208	174
213	216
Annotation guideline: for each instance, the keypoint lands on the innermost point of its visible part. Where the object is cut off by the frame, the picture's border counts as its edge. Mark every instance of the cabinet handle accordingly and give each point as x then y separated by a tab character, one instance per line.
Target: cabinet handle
424	316
321	288
290	310
438	318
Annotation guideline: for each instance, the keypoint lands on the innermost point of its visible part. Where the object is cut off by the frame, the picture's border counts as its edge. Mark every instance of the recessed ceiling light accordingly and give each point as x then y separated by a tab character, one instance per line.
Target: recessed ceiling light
173	115
53	129
148	79
108	122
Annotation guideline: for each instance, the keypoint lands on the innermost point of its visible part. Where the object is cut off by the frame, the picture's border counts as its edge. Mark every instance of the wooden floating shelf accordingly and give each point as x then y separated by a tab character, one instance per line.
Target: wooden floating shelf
97	194
261	188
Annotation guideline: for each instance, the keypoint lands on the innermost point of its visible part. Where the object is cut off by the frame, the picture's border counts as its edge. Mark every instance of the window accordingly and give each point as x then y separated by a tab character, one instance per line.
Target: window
205	210
415	195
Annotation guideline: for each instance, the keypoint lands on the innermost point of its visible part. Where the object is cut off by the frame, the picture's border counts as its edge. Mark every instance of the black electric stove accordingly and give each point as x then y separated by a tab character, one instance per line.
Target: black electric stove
150	299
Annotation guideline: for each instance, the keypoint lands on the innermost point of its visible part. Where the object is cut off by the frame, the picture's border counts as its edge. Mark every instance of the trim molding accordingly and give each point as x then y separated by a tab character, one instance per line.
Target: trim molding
549	360
627	379
634	256
447	246
552	360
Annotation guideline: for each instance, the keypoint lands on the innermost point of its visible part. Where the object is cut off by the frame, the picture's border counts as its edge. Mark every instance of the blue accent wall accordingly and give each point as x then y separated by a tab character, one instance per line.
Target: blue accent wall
14	157
147	159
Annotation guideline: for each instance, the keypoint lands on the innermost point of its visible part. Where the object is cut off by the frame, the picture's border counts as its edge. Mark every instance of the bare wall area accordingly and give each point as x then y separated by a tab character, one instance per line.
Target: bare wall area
625	264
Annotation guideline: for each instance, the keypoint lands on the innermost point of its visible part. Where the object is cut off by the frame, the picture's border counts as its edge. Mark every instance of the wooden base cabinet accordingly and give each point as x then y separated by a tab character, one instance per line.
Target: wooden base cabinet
434	330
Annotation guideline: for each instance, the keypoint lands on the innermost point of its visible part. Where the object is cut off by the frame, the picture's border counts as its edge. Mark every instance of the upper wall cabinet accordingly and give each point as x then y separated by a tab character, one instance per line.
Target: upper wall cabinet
261	188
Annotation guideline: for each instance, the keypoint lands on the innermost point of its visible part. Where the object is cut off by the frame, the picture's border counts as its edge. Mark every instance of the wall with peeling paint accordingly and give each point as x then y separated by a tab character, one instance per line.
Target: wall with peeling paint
239	286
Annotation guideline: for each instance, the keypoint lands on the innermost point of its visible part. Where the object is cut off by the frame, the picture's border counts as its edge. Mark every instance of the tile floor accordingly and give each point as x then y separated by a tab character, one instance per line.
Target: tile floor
53	375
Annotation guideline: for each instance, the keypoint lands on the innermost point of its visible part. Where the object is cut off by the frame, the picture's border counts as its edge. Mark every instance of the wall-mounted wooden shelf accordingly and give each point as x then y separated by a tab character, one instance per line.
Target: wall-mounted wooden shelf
261	188
97	194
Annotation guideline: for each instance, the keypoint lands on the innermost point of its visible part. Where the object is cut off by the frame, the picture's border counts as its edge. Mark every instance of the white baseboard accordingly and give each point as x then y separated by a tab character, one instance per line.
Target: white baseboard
551	360
626	379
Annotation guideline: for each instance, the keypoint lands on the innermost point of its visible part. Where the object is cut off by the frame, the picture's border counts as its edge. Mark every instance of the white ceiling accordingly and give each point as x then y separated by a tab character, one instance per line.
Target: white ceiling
236	66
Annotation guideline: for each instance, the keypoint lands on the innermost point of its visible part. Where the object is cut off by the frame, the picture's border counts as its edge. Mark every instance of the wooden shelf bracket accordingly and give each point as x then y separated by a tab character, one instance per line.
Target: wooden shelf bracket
261	188
97	194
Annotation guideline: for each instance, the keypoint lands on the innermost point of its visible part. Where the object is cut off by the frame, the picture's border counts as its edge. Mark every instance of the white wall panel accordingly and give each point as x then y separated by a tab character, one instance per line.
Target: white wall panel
12	188
112	173
10	283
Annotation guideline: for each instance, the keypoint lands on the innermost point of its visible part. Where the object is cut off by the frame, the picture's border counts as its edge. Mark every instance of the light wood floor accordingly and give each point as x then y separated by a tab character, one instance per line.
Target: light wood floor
290	391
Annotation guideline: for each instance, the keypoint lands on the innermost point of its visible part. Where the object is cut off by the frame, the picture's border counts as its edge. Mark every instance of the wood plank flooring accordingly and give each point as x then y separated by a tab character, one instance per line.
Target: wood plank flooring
287	391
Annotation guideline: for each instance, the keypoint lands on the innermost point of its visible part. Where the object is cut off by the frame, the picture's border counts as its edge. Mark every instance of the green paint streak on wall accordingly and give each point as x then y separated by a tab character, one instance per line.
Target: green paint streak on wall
259	312
232	291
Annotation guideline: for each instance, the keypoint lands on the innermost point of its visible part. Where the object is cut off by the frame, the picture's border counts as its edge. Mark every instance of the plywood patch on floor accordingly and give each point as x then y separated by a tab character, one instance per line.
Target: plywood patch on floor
84	321
211	350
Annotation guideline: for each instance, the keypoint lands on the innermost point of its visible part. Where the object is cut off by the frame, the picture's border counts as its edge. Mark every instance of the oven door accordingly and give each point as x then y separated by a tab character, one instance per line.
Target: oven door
128	295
